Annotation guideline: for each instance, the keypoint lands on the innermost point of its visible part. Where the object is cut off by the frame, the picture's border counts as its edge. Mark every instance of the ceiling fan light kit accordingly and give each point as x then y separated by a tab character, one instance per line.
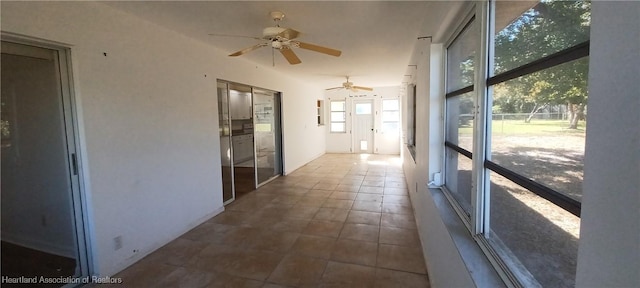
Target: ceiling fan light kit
282	39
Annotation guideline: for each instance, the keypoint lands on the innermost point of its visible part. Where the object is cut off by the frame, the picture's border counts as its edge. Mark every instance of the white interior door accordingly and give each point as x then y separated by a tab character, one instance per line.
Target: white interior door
363	126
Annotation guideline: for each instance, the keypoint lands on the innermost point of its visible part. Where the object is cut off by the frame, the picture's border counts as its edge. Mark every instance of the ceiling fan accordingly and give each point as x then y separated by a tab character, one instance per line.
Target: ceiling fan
349	86
281	39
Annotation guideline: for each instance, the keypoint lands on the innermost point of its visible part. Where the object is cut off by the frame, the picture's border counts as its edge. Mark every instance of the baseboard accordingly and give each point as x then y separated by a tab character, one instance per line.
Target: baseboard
289	171
138	256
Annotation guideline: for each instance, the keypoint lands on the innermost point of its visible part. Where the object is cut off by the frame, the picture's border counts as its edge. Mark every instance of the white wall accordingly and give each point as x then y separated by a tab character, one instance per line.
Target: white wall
609	251
148	121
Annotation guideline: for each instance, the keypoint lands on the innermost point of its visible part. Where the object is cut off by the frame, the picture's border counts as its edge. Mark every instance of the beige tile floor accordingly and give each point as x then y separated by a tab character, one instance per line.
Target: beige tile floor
342	220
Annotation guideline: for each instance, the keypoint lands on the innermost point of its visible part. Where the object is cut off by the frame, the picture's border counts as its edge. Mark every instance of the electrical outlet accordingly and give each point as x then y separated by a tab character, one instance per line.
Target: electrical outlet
117	243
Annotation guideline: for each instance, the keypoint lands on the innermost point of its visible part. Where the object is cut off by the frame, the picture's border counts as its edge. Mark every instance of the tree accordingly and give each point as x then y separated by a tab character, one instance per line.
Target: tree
548	27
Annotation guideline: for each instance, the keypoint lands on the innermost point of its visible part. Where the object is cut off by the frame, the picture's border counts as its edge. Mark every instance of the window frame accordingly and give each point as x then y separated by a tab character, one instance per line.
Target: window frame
332	121
397	121
411	119
508	267
320	112
470	219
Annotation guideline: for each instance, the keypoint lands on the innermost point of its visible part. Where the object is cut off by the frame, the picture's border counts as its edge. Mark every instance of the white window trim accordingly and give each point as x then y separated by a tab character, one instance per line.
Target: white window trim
331	118
397	110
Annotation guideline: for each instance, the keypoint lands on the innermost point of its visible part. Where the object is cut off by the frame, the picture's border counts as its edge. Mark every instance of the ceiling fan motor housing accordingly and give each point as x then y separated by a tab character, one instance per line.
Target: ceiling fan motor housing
271	32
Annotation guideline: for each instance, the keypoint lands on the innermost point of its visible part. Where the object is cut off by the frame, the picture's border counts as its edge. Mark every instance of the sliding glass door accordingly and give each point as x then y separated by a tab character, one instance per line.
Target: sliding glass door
266	105
224	127
250	137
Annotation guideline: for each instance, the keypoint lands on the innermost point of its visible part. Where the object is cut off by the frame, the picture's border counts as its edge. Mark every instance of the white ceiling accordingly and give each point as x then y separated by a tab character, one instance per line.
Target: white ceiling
376	38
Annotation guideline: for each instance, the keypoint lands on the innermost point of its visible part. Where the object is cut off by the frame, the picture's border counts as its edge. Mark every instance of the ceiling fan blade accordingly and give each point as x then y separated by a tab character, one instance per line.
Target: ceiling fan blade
247	50
325	50
237	36
363	88
289	34
334	88
290	56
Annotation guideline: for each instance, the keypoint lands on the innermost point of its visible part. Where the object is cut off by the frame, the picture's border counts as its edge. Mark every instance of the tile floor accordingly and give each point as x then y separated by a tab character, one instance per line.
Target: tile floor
343	220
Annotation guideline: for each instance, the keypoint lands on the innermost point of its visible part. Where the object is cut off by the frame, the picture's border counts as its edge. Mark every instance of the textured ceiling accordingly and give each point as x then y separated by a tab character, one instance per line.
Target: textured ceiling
376	37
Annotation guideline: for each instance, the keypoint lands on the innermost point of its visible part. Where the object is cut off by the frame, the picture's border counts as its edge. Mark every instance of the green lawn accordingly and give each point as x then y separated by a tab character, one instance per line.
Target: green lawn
534	127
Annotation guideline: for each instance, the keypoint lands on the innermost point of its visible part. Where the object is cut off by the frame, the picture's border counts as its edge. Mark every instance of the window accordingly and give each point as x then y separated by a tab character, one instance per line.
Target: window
411	119
459	106
338	117
320	112
514	142
390	116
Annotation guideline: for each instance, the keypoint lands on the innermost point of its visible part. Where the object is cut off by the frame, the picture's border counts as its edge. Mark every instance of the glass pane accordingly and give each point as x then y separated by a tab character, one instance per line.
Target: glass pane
390	105
390	127
38	232
526	31
338	106
535	133
225	141
459	129
266	107
461	57
458	178
363	108
542	236
338	116
338	127
390	116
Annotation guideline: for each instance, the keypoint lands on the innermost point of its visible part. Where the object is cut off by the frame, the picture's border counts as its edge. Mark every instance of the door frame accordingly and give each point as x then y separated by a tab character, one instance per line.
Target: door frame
354	143
279	137
76	148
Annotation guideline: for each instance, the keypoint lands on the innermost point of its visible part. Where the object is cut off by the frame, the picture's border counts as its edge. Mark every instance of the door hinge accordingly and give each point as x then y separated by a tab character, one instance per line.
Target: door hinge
74	163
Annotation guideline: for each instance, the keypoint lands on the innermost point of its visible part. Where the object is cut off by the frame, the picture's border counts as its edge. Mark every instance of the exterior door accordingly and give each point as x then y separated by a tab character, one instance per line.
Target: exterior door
363	126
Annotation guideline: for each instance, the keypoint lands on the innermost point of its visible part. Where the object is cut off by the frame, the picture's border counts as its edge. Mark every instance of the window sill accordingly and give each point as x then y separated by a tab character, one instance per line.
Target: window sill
482	272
